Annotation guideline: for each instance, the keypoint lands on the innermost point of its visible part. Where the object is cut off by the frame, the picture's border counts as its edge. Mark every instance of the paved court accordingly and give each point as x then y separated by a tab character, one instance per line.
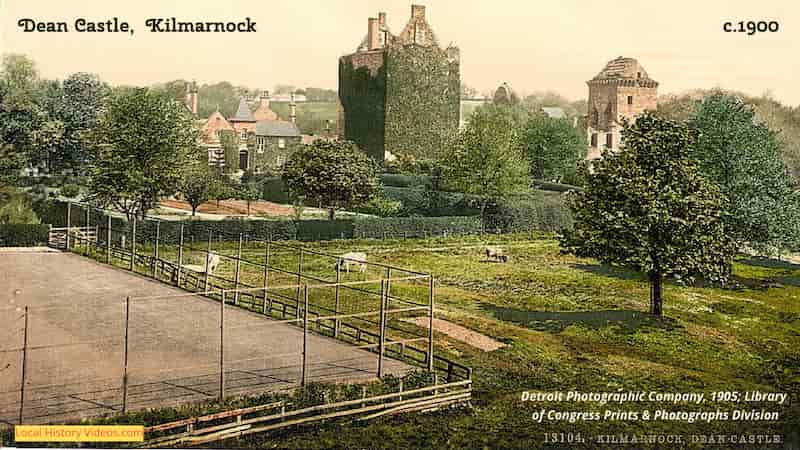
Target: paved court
75	340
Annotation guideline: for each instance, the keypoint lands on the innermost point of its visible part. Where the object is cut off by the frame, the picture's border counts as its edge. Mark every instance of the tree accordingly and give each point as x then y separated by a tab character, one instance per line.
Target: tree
537	100
143	141
553	147
21	116
197	184
250	192
12	155
744	157
78	104
334	174
484	159
649	208
219	187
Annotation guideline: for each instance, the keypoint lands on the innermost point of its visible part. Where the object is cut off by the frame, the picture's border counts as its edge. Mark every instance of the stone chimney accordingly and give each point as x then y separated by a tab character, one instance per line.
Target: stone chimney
191	97
292	109
263	99
382	20
417	11
373	34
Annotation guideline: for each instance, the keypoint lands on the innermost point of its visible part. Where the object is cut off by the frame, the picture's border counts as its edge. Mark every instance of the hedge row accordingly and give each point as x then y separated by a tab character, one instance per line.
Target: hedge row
541	211
23	235
384	227
305	230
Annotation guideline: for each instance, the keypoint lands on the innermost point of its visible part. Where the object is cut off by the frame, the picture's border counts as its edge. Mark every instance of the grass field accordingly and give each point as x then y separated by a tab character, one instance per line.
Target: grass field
572	324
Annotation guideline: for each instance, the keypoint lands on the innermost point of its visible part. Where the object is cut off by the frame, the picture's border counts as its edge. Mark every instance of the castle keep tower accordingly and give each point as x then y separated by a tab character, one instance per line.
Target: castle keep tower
622	90
399	94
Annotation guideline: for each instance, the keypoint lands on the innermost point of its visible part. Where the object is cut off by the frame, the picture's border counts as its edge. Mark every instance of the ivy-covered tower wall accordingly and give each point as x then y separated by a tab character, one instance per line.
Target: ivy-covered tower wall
422	99
399	93
362	94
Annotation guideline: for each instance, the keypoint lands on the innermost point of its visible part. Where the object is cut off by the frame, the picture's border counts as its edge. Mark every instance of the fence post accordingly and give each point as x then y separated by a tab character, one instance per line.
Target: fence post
133	246
336	301
382	328
222	347
238	270
208	261
155	250
108	239
125	361
86	243
24	366
69	214
299	280
388	283
266	279
305	336
180	259
430	326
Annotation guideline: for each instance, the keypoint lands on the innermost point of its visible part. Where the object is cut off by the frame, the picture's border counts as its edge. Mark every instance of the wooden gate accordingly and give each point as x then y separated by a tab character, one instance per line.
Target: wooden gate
57	237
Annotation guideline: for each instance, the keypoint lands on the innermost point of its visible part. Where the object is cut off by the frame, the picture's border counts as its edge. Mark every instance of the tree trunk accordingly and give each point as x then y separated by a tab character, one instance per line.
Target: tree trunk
331	213
655	293
483	216
194	210
248	208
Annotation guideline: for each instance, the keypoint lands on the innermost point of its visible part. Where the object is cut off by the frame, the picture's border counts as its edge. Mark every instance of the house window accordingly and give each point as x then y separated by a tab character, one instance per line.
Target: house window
281	143
630	99
280	160
260	145
638	74
594	139
244	135
609	140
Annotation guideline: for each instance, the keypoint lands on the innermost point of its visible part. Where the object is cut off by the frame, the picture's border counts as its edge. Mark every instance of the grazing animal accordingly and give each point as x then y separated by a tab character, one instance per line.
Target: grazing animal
212	261
357	259
497	253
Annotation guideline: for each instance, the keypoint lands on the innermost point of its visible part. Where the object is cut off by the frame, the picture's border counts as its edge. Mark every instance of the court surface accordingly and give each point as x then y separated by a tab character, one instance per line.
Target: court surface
76	332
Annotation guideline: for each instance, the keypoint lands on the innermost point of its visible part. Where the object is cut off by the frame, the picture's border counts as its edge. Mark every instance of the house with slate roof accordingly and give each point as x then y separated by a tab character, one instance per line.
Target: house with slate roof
264	142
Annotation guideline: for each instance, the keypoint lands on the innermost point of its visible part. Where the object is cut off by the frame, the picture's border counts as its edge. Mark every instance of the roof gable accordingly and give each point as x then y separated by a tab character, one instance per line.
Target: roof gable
243	113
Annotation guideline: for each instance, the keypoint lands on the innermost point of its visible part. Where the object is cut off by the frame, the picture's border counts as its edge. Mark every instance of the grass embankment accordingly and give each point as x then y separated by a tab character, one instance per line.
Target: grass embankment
573	324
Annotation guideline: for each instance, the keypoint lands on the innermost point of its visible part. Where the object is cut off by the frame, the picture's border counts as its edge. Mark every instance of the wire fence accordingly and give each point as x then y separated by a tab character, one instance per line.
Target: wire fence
110	355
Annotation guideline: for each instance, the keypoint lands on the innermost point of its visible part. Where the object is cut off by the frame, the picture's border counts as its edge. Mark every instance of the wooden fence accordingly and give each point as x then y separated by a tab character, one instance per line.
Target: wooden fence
371	335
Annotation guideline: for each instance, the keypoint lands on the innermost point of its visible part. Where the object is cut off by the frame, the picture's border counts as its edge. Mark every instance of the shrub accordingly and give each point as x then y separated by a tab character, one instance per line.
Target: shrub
23	235
423	202
70	190
382	207
402	180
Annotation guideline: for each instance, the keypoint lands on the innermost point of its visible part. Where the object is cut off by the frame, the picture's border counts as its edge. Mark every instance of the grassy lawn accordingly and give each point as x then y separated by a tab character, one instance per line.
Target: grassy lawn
572	324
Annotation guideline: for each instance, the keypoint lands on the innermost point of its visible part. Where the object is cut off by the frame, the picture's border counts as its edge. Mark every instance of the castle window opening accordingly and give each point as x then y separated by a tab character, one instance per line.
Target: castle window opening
609	140
260	145
630	99
594	139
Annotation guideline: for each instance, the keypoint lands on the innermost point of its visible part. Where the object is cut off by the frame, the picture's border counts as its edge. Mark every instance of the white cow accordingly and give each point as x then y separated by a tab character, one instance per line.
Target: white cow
357	259
211	264
212	261
497	253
